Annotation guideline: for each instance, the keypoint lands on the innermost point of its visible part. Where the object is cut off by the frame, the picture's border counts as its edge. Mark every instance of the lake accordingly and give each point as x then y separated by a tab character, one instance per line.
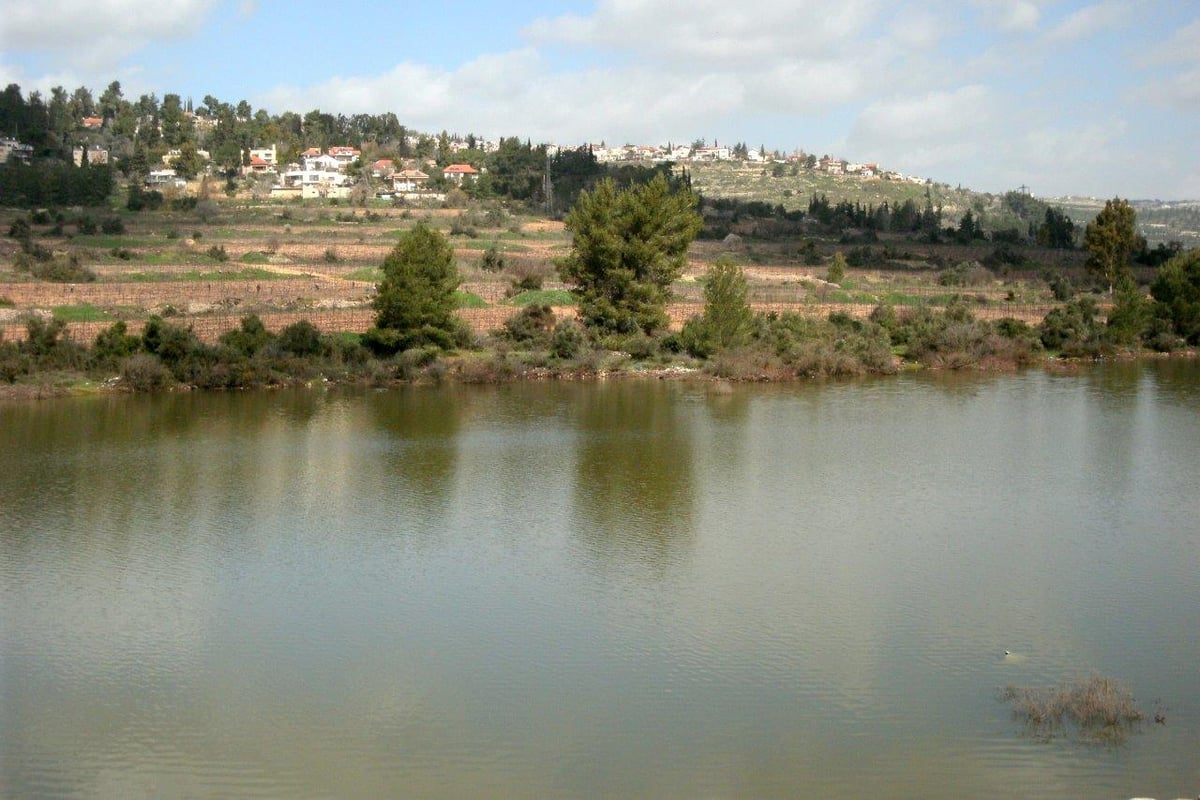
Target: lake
633	588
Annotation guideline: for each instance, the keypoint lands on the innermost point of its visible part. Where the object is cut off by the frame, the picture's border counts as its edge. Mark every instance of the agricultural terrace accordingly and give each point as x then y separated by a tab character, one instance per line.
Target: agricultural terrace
210	265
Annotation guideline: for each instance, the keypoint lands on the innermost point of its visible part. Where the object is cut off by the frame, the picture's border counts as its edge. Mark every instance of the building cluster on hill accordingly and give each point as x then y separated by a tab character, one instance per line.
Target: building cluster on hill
169	143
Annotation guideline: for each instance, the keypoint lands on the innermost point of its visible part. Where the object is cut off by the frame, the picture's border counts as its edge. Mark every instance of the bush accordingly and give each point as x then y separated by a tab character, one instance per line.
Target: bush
143	372
331	256
534	324
61	269
300	339
217	253
250	337
568	339
492	260
114	344
1073	329
1060	287
85	225
113	226
837	269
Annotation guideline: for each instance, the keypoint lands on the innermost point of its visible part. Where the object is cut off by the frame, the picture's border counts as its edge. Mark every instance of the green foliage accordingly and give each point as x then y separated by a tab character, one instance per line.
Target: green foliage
568	339
54	183
534	325
217	253
141	199
142	372
628	247
416	296
113	226
114	344
1073	329
57	269
1176	292
301	339
837	268
250	337
1057	230
1111	240
174	345
1130	317
1060	287
727	316
492	259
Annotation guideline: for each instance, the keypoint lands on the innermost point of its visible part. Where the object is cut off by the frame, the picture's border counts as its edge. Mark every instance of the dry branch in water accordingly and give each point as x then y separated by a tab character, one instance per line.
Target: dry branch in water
1094	709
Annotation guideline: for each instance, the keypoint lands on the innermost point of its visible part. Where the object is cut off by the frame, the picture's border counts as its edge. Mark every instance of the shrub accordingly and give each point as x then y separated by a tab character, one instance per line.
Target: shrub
837	269
217	253
1073	328
300	339
113	344
143	372
250	337
492	260
534	324
112	226
62	269
966	274
1060	287
331	256
85	225
526	280
568	339
123	253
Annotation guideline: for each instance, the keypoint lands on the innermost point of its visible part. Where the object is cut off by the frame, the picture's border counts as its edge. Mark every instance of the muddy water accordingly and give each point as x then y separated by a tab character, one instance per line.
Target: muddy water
630	589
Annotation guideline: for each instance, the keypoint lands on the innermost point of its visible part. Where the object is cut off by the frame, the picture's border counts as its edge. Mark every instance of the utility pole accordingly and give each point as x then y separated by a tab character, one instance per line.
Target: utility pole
548	187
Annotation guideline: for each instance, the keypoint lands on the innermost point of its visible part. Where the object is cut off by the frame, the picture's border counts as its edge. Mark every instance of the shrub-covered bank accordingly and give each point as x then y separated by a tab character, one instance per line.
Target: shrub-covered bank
536	345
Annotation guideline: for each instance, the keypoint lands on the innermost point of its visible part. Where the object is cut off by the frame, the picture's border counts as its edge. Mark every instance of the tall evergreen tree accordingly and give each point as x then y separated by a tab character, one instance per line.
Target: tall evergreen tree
628	247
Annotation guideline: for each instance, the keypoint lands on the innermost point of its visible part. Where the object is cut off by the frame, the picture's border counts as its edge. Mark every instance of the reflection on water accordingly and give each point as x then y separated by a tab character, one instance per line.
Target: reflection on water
629	588
634	475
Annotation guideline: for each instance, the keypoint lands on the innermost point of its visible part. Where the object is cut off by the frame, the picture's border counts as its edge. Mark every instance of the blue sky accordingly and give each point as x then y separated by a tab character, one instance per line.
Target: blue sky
1089	98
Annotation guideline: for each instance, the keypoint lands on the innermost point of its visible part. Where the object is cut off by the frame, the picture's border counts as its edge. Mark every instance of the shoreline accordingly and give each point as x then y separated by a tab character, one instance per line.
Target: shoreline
68	385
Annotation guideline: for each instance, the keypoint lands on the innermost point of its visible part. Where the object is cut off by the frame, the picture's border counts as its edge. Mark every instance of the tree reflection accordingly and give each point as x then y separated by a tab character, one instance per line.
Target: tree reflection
419	460
634	474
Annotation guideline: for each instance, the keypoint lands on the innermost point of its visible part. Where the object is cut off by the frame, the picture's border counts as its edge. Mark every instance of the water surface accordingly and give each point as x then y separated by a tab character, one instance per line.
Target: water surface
621	589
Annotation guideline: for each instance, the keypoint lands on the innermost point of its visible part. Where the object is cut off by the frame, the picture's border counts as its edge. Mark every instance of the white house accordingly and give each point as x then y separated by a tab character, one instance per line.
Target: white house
265	154
409	181
459	173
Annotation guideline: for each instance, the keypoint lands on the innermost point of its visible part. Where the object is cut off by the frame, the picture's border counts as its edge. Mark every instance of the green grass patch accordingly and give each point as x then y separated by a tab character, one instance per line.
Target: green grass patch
469	300
543	297
85	312
6	302
372	274
109	242
248	274
255	257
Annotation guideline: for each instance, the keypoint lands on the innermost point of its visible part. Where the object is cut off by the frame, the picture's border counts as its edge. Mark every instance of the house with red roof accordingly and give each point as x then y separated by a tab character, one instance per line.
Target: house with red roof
459	173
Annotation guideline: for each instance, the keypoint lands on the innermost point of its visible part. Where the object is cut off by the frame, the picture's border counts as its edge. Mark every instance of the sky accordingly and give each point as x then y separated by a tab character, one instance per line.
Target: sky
1065	97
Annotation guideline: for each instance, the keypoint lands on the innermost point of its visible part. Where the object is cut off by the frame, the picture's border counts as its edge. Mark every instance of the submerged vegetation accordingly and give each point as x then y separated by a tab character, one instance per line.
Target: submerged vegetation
1094	710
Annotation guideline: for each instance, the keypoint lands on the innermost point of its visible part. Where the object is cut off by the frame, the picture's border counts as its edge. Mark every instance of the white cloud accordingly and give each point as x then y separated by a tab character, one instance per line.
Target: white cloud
1090	20
1180	92
1182	47
1010	16
713	30
98	33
